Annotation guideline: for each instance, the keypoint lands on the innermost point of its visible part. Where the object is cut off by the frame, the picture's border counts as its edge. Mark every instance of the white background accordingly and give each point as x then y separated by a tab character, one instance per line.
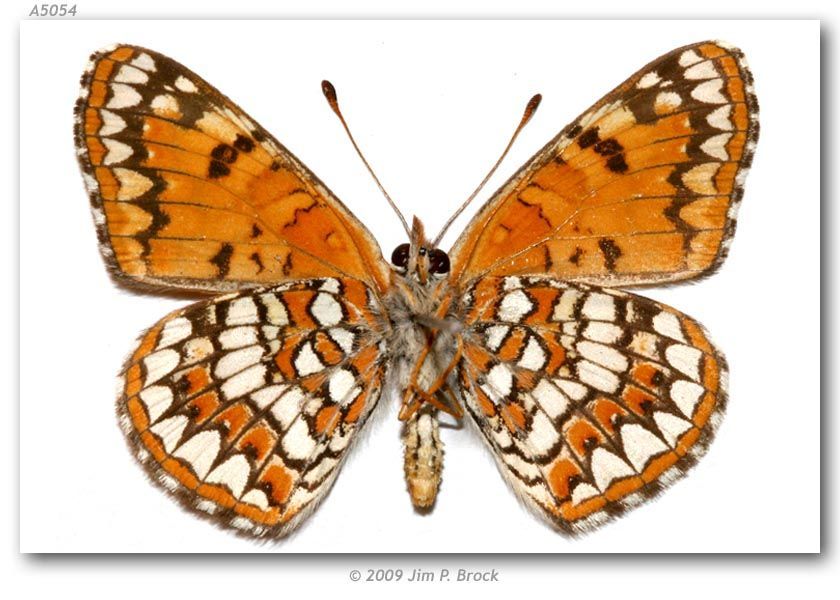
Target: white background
432	104
627	577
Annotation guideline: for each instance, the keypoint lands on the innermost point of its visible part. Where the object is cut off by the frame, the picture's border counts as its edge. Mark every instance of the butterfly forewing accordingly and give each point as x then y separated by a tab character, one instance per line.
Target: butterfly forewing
591	399
642	188
244	406
188	191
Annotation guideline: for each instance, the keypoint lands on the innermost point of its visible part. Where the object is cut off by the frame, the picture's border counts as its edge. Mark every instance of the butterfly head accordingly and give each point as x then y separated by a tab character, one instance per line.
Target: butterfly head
418	258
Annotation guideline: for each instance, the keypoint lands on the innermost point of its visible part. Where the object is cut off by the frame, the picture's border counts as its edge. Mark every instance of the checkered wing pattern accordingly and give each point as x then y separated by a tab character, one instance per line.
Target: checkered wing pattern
642	188
591	399
189	192
244	406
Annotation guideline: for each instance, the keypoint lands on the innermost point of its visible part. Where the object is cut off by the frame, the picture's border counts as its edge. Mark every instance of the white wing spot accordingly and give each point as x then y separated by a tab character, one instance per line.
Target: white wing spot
342	383
606	333
266	396
307	362
237	337
243	524
719	118
667	324
233	473
607	467
174	331
111	123
649	80
686	395
685	359
297	442
599	307
326	310
701	178
242	311
236	361
709	92
331	285
671	427
511	283
206	506
117	151
288	407
605	356
644	343
550	399
165	105
715	146
170	431
256	498
533	357
597	376
502	437
276	311
494	336
343	338
200	451
185	85
160	364
129	74
499	382
667	102
640	445
157	399
144	61
197	349
514	306
543	435
244	382
564	310
583	491
123	96
703	70
132	183
525	468
573	389
688	58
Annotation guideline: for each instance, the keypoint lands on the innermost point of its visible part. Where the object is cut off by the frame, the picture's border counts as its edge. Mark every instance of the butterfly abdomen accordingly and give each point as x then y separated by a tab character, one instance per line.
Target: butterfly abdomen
423	456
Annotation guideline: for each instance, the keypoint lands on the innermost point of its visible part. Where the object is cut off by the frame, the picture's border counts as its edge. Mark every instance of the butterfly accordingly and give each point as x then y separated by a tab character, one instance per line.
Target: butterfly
243	406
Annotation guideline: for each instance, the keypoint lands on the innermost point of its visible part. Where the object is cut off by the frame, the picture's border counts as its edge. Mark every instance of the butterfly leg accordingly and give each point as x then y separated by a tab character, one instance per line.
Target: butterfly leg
439	394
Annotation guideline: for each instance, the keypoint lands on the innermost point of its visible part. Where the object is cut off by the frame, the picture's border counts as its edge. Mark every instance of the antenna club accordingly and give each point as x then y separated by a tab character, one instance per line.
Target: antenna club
531	108
328	90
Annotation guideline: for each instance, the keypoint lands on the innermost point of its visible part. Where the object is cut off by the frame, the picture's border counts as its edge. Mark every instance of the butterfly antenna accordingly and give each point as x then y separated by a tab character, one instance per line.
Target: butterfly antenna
329	93
530	109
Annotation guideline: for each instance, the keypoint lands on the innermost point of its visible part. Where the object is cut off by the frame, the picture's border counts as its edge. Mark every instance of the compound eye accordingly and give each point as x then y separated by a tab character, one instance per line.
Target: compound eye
438	261
399	257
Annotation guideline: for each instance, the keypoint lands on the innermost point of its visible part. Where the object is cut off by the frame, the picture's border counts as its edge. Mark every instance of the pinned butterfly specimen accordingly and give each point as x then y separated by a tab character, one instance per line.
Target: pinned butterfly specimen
592	399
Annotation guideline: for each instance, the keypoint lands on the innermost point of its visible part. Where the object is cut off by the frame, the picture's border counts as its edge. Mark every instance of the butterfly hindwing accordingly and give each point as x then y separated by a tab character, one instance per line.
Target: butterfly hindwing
244	406
591	399
642	188
189	192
